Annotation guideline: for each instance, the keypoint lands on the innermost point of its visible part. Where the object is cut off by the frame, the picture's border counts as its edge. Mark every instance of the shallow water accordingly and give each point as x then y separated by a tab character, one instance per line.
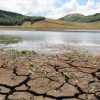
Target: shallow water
43	41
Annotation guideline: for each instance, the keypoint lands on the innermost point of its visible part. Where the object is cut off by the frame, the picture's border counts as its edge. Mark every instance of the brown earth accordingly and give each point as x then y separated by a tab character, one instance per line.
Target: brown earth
70	76
59	25
54	25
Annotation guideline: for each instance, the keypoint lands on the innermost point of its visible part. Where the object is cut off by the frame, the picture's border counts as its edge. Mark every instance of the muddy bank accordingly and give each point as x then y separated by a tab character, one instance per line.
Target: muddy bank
31	76
18	28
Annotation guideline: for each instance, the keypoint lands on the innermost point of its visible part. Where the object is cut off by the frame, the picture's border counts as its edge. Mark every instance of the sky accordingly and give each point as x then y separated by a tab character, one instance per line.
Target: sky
51	8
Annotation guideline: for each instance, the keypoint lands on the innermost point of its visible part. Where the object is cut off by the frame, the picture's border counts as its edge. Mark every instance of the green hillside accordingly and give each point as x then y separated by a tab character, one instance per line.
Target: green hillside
10	18
81	18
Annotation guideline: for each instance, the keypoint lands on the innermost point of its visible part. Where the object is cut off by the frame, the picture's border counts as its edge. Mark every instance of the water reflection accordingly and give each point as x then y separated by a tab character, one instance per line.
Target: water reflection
37	40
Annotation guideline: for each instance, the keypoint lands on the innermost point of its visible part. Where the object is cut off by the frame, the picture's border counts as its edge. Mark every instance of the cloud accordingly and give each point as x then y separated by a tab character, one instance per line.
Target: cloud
91	7
28	6
50	8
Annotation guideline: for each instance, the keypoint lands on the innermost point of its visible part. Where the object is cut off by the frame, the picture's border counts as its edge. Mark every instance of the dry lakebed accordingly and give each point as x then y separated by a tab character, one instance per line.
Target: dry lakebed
70	75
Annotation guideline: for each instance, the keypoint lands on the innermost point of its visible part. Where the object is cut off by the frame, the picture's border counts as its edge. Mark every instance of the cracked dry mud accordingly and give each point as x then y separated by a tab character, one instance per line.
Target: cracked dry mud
70	76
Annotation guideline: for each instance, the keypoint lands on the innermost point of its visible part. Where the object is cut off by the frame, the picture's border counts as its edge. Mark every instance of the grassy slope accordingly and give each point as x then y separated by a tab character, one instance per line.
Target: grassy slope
81	18
75	21
40	23
59	24
10	18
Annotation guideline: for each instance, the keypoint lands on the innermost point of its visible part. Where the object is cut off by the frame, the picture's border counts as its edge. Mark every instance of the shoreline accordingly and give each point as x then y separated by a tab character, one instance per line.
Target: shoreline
50	30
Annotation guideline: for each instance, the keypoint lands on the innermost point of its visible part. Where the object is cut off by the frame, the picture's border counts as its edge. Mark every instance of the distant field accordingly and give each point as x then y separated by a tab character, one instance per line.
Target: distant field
58	24
53	25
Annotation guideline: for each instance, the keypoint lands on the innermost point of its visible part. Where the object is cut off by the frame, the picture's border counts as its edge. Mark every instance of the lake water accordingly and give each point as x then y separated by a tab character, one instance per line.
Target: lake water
43	41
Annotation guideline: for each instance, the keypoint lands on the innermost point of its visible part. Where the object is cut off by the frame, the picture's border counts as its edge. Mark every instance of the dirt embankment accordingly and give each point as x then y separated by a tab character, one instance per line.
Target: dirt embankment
70	76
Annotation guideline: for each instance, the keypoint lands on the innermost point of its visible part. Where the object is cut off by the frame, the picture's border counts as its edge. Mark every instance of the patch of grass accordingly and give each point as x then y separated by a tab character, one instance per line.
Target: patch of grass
7	39
15	53
31	68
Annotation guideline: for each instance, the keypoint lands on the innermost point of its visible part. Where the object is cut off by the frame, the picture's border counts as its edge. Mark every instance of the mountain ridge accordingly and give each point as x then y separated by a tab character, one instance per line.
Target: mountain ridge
19	21
81	18
11	18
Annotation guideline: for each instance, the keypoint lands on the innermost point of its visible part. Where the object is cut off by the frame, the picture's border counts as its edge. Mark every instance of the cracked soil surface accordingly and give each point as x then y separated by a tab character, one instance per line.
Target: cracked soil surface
70	76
